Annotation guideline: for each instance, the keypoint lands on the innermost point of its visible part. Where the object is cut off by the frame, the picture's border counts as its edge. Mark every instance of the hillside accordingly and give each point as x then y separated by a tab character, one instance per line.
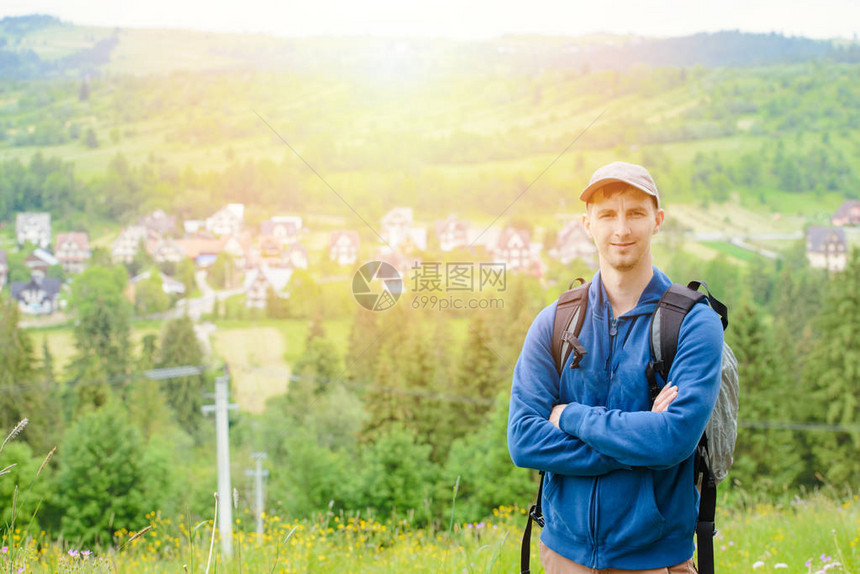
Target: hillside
182	120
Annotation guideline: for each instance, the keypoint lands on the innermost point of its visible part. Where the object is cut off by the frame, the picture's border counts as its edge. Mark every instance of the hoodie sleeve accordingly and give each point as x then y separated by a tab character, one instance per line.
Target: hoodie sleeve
661	440
533	441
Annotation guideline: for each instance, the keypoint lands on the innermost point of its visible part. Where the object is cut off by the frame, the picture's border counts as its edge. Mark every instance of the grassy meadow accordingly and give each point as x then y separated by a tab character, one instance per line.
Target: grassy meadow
818	533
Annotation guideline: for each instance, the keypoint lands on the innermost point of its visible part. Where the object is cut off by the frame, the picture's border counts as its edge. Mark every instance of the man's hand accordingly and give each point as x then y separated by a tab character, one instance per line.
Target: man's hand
664	399
555	415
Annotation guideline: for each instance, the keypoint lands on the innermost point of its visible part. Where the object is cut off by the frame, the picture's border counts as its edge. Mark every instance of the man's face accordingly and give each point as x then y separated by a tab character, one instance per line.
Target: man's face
621	226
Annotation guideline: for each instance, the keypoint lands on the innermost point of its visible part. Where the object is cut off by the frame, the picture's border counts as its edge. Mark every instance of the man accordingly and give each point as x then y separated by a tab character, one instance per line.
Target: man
618	492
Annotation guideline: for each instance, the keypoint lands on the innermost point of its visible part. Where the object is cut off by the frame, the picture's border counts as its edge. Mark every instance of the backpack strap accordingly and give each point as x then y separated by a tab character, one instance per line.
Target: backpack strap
666	321
569	317
536	515
705	526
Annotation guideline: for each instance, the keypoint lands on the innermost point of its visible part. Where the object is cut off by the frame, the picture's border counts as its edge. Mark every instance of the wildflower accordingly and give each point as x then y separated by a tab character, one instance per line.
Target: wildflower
758	564
808	563
74	553
4	550
85	552
825	558
780	565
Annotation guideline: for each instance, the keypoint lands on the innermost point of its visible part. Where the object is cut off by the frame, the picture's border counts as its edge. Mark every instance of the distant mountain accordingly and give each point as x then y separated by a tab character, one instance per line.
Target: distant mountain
37	46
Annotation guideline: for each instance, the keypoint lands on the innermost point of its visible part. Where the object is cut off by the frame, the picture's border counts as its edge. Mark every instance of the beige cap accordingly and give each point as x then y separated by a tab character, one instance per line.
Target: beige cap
620	171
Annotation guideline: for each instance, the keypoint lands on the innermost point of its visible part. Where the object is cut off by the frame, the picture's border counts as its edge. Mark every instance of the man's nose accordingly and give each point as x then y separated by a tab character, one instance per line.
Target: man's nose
622	226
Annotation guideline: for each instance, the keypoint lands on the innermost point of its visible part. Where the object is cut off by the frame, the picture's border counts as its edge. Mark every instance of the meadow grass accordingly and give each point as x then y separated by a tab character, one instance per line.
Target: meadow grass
818	533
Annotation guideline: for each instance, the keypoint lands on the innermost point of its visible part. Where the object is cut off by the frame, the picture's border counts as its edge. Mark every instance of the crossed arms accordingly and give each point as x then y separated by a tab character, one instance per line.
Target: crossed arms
582	440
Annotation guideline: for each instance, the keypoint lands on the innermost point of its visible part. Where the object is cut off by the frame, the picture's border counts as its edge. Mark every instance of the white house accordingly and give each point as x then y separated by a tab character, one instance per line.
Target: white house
572	243
228	220
73	251
453	233
847	214
343	247
826	248
38	296
514	249
126	245
259	281
35	228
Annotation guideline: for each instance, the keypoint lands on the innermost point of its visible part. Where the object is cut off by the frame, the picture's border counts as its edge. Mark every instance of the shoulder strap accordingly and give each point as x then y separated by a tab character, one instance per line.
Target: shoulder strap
666	321
569	317
536	515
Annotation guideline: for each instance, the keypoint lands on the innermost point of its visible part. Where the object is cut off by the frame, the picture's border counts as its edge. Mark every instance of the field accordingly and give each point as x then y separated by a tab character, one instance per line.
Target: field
810	535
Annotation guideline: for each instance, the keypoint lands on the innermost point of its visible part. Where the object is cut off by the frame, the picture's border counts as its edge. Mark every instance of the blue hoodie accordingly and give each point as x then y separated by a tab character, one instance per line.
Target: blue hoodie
618	489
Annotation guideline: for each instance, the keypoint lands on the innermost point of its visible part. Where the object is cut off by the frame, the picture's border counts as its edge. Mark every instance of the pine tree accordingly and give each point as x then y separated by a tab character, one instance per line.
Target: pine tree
180	347
832	373
100	481
767	459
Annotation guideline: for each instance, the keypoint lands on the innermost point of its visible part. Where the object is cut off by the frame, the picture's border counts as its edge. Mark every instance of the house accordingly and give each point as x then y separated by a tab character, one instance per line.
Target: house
35	228
228	220
573	242
396	225
4	268
270	246
73	251
514	249
202	250
826	248
39	262
239	247
125	246
284	228
166	250
258	281
38	296
343	247
193	226
453	233
159	222
847	214
295	256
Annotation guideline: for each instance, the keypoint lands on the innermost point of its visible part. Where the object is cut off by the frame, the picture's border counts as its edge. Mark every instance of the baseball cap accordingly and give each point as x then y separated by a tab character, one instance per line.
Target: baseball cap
620	171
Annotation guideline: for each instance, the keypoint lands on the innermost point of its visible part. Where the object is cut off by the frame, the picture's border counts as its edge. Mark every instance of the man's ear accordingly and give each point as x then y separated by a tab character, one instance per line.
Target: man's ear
658	220
586	224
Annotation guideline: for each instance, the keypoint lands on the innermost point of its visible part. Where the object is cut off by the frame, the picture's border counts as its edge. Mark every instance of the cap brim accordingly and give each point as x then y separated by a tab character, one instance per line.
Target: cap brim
593	187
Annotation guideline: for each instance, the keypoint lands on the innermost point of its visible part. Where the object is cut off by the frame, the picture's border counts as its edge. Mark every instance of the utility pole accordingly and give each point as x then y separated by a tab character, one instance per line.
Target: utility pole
259	474
222	433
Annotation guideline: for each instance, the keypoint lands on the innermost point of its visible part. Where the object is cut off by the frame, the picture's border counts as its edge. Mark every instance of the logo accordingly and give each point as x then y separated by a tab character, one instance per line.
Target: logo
377	286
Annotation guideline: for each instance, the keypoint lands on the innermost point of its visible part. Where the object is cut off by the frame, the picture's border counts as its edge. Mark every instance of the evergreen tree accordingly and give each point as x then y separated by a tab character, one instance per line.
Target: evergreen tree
765	459
103	327
147	405
488	478
100	479
479	377
180	347
23	390
832	372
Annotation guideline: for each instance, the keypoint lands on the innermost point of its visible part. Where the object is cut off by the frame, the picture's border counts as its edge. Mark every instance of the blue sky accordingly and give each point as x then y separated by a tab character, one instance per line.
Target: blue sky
461	19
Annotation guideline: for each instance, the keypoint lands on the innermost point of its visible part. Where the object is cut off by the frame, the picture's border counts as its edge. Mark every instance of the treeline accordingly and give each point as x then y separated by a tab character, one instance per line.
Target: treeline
413	406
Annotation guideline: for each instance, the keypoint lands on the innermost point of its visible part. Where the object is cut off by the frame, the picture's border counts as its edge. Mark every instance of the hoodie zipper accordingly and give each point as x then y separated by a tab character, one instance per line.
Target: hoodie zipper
593	521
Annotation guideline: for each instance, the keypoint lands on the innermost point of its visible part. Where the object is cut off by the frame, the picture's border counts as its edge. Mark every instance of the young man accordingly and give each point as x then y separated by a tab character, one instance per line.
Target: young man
618	492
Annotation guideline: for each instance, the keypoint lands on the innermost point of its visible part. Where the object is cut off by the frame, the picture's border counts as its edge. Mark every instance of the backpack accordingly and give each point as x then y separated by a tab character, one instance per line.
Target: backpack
714	452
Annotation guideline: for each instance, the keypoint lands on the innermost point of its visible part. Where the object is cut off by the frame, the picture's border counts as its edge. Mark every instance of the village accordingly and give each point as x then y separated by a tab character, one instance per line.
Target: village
264	259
